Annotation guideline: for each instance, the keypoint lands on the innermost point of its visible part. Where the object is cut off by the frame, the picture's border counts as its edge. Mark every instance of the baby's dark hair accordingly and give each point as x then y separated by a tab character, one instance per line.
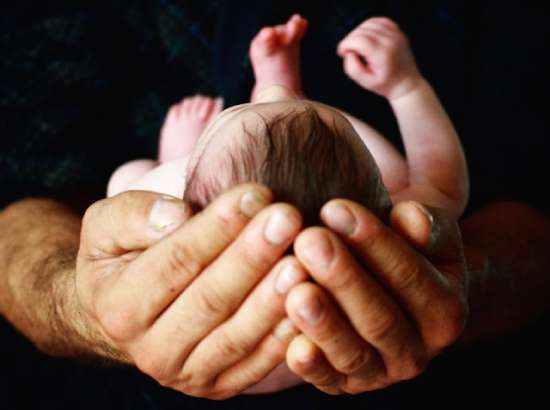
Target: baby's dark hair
303	160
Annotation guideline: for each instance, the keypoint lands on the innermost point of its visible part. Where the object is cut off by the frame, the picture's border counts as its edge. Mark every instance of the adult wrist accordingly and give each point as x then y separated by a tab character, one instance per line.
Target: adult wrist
83	337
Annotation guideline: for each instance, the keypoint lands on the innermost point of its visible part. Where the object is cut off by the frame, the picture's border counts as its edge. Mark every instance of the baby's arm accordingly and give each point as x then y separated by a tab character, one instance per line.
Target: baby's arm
377	56
434	153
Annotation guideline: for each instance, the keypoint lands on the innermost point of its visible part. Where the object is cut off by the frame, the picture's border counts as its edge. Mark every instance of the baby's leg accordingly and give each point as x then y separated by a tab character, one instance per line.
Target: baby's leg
184	124
275	56
127	174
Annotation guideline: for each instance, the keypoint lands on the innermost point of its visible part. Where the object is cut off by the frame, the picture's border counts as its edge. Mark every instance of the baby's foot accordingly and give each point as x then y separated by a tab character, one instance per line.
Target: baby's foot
184	124
275	55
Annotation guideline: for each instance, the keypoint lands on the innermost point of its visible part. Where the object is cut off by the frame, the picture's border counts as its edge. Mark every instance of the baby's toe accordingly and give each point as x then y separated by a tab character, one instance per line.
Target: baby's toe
186	106
295	28
265	41
204	107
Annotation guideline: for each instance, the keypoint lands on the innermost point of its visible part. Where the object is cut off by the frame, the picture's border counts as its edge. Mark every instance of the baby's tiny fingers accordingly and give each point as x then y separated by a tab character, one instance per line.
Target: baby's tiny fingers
354	67
362	44
384	22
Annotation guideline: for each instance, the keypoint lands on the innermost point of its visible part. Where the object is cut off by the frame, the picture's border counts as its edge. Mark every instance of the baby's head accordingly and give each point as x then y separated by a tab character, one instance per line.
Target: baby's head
306	152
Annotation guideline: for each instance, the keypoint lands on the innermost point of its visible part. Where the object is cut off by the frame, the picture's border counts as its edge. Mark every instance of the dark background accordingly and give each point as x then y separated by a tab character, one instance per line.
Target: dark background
84	87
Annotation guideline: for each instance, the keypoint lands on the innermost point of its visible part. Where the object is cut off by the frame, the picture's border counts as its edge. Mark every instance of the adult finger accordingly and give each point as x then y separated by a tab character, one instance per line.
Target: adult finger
306	360
262	363
426	293
318	318
433	231
132	220
258	316
372	312
156	277
225	283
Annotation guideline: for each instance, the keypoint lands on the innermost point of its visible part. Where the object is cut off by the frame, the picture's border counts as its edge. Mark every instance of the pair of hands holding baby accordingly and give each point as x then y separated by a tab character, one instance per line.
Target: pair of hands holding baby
207	303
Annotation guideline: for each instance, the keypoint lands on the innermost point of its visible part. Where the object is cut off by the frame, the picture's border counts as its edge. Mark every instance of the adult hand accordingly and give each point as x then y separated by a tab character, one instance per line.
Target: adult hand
379	318
195	302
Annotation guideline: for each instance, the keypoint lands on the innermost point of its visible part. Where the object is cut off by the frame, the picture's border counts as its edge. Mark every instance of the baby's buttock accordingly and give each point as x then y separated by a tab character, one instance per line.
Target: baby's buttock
168	178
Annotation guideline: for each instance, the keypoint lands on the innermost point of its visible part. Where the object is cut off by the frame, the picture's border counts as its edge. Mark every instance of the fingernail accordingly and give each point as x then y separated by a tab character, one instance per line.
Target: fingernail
434	229
167	214
339	218
288	277
303	350
279	228
251	203
311	312
319	252
285	330
423	209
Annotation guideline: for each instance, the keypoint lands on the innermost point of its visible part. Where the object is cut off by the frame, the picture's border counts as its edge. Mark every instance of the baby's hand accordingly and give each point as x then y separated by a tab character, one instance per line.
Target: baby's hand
377	56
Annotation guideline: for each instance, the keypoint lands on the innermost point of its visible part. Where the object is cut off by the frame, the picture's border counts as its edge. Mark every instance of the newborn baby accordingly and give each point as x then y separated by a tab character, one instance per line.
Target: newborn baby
305	151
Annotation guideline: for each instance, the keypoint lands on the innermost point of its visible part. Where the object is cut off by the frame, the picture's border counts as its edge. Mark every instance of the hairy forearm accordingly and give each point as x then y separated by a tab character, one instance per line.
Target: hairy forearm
38	246
507	249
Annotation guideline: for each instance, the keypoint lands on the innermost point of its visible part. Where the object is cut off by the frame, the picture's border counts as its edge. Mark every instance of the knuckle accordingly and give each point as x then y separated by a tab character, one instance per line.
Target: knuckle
412	367
324	379
211	303
405	276
188	382
155	365
181	264
227	346
383	328
353	362
343	277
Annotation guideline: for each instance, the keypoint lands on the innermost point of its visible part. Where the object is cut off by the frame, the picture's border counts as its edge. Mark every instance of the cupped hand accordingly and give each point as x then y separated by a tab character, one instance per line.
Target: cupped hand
193	301
379	315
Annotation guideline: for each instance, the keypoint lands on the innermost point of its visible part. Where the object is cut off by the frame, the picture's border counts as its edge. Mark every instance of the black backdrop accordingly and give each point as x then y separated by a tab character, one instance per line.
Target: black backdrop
488	62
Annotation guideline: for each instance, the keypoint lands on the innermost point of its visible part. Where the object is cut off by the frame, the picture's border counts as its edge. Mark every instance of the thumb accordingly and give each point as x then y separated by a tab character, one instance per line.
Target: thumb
130	221
432	231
